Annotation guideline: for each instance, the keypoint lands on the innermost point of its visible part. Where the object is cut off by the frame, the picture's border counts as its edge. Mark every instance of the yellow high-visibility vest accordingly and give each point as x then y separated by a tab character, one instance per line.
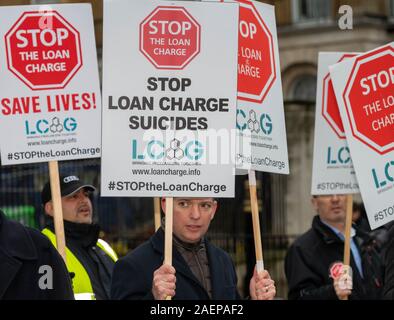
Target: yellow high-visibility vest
82	286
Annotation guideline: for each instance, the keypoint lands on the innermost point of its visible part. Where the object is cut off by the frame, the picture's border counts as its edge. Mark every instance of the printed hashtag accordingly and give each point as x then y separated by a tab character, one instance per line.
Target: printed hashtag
376	217
10	156
111	185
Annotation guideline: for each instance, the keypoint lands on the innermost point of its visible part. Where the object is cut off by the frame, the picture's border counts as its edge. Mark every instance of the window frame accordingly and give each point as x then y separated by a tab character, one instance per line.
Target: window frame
391	8
299	19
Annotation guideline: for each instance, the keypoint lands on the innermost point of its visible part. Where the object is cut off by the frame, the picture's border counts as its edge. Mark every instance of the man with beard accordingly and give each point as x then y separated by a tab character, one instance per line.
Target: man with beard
90	260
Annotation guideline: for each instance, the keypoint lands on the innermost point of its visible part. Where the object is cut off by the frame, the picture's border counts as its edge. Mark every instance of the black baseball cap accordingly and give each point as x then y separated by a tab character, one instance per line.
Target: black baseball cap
68	186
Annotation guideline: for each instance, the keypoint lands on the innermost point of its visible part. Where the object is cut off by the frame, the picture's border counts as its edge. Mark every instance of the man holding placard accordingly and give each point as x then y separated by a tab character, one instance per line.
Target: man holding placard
200	270
90	260
50	67
313	263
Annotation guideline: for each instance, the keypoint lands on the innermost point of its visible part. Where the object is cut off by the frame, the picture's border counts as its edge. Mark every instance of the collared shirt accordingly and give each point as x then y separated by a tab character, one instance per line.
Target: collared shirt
353	247
196	258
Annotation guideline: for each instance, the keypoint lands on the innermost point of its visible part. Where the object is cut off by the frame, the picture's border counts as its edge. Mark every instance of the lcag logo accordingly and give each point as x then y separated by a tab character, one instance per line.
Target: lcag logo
383	175
157	150
254	122
55	125
338	156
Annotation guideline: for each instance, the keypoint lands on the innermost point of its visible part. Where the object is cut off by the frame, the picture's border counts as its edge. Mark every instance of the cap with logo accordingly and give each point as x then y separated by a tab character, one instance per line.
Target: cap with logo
68	186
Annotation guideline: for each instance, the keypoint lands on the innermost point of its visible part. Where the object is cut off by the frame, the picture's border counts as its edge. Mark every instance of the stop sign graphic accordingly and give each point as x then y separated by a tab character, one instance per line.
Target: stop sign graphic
169	37
43	50
330	109
256	62
369	99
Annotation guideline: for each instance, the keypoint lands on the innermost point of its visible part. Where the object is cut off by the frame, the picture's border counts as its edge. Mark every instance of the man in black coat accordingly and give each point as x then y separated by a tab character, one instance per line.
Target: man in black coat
30	267
310	258
200	271
389	264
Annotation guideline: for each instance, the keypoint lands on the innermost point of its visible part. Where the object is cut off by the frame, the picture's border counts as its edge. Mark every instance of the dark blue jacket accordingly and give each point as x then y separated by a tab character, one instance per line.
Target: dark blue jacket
389	271
308	261
133	274
22	252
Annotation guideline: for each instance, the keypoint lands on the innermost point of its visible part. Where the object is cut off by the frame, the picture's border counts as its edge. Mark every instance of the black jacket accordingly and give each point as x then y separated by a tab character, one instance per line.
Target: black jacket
389	272
133	274
309	259
22	252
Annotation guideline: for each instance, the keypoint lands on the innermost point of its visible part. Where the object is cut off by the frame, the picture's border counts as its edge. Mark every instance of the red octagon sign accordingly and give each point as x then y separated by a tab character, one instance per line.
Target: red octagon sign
256	60
169	37
330	110
43	50
369	99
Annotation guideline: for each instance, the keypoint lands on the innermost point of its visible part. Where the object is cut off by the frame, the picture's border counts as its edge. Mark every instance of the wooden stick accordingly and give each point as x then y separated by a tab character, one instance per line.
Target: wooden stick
256	221
156	208
168	233
348	228
57	208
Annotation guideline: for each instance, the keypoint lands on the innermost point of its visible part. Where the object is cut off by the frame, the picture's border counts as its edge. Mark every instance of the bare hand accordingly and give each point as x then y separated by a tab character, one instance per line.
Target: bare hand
262	287
164	280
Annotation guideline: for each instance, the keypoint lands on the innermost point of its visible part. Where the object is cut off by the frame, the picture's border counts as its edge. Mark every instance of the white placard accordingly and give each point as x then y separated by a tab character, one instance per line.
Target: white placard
262	144
160	56
333	171
364	88
50	103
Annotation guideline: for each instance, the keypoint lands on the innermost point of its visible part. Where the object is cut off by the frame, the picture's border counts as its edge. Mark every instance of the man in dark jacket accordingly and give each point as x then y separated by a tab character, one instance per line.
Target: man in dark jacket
389	264
30	268
200	270
309	259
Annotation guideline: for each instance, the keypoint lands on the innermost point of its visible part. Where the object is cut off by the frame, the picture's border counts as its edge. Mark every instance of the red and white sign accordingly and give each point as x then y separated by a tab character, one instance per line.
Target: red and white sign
43	50
364	88
260	124
167	122
369	99
256	62
50	99
333	171
330	109
170	37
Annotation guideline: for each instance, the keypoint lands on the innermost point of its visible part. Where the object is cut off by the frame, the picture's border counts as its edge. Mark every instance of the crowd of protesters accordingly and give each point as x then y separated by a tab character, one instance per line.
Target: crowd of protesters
200	270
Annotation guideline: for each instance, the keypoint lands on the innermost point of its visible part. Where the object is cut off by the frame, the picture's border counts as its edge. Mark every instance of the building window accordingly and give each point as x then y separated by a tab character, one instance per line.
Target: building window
392	8
303	88
311	10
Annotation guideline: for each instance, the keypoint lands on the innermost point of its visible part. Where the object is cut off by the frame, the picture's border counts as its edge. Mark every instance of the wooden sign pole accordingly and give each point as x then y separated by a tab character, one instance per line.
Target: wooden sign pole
57	208
256	221
168	233
156	208
348	227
